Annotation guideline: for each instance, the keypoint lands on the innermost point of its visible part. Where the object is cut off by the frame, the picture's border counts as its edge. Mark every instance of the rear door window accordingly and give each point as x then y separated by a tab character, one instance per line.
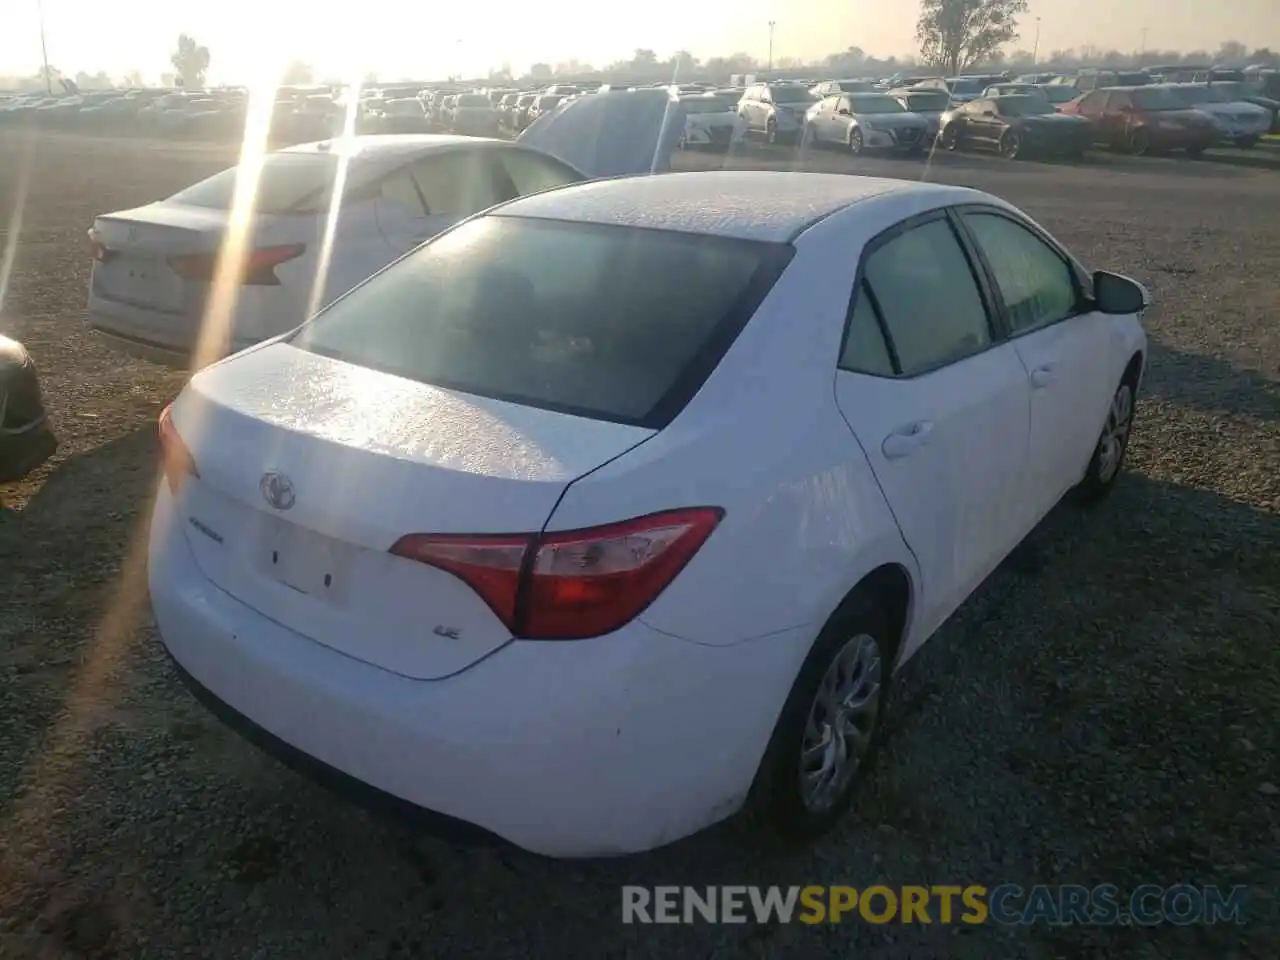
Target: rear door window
928	296
615	323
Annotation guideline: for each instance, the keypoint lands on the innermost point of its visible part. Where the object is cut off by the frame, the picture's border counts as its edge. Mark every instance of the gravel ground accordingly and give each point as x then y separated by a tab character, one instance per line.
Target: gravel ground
1103	710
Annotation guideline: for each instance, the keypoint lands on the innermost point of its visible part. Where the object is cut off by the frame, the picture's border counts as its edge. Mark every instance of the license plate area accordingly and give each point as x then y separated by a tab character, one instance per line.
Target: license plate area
304	561
142	280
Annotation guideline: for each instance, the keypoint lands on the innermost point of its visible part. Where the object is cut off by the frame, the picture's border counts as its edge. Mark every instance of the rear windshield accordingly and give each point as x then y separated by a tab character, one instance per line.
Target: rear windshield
608	322
964	85
875	103
927	101
1058	92
287	184
790	94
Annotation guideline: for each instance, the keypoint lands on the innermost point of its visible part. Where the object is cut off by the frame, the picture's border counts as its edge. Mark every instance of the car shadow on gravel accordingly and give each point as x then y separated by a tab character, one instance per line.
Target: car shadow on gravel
1210	384
72	564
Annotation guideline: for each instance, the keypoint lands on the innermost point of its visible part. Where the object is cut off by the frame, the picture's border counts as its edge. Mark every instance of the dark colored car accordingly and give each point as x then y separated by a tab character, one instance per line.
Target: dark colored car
403	115
25	438
1141	120
1018	125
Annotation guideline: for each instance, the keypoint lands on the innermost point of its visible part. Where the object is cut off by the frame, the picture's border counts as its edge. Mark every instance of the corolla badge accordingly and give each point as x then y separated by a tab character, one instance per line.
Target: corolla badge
277	490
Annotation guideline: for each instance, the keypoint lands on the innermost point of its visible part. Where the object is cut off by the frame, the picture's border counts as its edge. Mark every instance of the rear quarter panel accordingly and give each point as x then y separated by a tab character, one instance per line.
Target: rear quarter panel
805	519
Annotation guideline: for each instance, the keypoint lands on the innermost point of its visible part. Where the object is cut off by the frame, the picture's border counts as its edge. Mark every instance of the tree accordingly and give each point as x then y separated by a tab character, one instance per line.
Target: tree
191	60
956	34
1232	51
297	72
132	79
644	58
540	71
683	63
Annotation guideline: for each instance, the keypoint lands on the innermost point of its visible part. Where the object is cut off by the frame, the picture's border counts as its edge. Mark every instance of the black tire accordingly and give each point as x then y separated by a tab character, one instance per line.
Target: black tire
808	138
781	799
1107	462
1247	143
1011	145
855	141
950	139
771	130
1195	153
1139	142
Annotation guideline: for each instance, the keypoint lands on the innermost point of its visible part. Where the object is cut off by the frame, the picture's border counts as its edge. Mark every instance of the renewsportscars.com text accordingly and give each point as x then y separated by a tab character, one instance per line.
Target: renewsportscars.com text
1009	904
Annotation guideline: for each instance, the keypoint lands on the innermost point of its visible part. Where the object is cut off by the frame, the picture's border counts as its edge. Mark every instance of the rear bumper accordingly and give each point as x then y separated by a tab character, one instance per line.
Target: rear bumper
591	748
115	325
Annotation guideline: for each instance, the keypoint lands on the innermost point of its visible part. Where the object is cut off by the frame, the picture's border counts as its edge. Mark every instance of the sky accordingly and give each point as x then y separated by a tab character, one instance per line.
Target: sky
248	39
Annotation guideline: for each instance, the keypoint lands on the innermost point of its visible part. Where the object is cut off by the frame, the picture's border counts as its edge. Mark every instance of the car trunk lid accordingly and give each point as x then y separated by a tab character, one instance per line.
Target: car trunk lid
311	469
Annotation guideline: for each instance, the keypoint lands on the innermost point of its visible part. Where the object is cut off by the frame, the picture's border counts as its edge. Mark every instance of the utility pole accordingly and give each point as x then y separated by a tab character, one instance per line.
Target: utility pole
1035	48
1143	49
44	51
772	24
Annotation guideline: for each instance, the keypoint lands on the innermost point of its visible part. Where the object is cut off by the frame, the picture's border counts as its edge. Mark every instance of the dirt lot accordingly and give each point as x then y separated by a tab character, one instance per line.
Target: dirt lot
1104	710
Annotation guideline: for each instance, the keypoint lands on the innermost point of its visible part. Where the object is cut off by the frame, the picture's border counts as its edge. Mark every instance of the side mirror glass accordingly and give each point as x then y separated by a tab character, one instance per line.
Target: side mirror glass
843	111
1114	294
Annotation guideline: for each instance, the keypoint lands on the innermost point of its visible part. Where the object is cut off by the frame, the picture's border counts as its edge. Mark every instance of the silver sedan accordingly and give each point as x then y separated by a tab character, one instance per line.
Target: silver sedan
865	121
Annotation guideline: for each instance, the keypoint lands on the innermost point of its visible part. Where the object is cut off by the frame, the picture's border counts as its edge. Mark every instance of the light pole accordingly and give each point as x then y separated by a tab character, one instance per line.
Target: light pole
1143	49
1035	48
44	51
772	24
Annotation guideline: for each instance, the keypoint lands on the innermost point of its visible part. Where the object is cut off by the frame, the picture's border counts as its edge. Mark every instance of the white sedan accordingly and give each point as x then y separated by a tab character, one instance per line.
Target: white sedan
615	508
153	291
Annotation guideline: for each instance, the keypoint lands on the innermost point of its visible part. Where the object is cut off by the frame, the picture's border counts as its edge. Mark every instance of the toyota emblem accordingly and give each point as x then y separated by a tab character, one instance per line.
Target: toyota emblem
277	490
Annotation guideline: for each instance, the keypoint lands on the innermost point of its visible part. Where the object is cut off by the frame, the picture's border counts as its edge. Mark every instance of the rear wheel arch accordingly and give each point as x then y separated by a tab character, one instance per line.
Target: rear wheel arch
889	588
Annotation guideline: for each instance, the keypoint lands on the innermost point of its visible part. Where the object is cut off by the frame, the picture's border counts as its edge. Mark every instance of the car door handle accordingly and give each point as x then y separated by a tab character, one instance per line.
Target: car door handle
1041	377
907	440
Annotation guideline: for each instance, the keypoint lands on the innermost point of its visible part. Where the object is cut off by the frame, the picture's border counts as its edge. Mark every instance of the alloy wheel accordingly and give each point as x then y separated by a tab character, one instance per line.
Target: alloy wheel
841	723
855	142
1010	145
1115	434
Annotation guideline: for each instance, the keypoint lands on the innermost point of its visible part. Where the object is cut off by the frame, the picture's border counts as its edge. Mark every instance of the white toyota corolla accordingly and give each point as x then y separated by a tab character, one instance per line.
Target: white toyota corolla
615	507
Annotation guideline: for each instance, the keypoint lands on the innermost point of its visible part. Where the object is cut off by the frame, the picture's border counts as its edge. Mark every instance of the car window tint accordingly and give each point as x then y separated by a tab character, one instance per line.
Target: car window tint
1035	283
928	297
287	182
399	188
610	322
864	348
531	173
457	184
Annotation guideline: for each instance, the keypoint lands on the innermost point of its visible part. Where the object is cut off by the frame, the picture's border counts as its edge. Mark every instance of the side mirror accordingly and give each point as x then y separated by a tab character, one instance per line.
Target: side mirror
1114	294
843	111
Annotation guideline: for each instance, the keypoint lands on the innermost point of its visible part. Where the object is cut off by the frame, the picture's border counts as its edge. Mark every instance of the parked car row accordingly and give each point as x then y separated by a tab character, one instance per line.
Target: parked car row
1013	118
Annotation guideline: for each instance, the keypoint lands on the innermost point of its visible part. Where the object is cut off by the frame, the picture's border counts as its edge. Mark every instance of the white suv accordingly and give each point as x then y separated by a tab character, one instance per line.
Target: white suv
775	110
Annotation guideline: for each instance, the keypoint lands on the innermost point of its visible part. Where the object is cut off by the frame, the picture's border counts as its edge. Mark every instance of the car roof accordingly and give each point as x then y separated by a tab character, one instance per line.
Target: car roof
765	205
389	146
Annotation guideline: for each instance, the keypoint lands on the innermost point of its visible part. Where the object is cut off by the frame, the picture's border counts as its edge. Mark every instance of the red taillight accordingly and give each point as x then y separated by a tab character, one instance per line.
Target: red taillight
97	249
573	584
175	458
258	268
